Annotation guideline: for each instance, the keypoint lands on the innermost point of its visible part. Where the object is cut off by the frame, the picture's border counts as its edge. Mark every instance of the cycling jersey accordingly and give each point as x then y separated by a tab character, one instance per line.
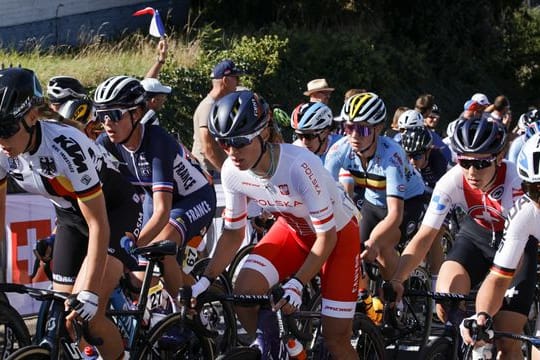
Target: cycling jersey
388	172
522	223
66	166
434	170
300	191
160	163
489	209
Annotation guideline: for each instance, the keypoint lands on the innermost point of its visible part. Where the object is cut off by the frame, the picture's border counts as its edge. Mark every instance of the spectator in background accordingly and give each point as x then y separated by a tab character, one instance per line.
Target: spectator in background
393	131
424	104
431	121
319	91
225	79
500	110
156	95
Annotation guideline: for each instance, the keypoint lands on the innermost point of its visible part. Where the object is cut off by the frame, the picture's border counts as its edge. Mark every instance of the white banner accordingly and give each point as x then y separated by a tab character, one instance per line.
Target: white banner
28	218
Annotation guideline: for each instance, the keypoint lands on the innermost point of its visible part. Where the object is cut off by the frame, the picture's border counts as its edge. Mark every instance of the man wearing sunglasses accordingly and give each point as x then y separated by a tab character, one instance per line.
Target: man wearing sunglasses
486	187
521	225
179	201
316	230
312	124
60	163
393	192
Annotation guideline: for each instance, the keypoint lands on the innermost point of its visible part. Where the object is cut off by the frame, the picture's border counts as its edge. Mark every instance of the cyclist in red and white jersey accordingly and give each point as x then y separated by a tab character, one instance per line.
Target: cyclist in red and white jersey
485	186
316	230
522	224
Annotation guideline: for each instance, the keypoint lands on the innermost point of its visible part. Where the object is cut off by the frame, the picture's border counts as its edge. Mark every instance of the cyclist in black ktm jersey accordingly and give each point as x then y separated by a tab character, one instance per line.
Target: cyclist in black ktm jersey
62	164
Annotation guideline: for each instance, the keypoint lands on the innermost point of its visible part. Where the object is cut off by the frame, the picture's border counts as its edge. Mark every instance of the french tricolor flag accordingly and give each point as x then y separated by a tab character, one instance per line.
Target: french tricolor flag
156	25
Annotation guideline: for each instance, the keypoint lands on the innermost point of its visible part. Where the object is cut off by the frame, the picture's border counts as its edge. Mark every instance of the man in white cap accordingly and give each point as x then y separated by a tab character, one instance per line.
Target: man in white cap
156	95
318	91
481	99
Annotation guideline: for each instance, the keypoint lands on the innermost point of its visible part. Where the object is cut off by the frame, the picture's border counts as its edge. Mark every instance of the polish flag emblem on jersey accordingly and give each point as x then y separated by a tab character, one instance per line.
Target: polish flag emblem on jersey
284	189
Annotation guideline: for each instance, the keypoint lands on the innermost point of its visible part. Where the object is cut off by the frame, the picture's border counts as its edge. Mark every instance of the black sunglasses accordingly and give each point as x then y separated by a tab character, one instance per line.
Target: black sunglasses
416	155
308	136
237	142
361	130
478	164
114	115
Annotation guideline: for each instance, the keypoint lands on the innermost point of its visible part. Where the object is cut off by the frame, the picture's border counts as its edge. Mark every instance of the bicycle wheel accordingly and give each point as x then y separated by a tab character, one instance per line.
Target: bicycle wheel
176	338
241	353
238	261
32	352
367	338
439	348
14	333
417	312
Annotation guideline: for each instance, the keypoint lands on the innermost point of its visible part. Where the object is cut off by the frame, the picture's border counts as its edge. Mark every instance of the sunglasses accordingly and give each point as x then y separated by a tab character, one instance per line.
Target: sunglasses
308	136
237	142
114	115
531	189
361	130
9	126
478	164
416	155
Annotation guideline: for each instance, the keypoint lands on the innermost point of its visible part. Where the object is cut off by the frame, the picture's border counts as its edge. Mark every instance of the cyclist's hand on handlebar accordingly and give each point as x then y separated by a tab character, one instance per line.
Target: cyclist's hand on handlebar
292	296
476	329
199	287
370	251
83	304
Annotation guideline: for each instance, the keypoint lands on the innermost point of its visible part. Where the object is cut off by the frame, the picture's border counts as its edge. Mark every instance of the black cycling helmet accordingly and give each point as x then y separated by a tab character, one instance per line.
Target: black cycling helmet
121	91
80	110
417	139
481	135
64	88
238	114
19	92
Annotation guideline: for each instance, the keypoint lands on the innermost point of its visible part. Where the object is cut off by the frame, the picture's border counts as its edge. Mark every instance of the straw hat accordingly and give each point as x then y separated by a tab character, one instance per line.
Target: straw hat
317	85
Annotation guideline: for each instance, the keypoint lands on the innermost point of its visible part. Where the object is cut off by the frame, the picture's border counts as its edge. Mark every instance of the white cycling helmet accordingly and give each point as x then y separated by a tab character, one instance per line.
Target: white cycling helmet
311	116
365	107
410	119
528	161
122	91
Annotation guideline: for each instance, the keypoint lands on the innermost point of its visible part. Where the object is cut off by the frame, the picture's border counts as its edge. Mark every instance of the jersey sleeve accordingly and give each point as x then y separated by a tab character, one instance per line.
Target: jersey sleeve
235	215
334	159
163	158
306	176
396	181
439	205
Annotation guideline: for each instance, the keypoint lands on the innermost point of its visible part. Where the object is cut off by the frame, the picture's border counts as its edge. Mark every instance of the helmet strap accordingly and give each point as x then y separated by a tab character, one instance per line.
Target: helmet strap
321	143
30	130
134	125
263	150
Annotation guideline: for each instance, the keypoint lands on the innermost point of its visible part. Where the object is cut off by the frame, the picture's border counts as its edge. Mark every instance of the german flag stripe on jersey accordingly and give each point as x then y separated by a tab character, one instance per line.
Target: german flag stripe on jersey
503	272
90	194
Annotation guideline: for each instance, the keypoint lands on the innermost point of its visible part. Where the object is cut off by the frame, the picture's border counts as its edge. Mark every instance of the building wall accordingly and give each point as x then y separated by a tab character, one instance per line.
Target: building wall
25	23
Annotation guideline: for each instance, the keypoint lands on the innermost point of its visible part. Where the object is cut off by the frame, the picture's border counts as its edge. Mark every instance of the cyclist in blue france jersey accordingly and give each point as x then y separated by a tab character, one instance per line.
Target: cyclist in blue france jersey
94	204
312	123
394	192
486	187
180	203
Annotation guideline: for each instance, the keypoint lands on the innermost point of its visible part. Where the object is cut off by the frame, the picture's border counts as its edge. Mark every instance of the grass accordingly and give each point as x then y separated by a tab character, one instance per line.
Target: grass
96	61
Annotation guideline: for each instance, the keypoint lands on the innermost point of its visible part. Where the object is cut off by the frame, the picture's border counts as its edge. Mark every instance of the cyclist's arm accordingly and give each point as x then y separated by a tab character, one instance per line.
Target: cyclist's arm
227	246
415	252
211	149
3	198
490	296
390	223
162	204
94	212
320	251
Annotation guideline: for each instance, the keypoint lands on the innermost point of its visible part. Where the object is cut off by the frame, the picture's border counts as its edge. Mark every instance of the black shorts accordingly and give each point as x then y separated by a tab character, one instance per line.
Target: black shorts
71	243
475	249
413	213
